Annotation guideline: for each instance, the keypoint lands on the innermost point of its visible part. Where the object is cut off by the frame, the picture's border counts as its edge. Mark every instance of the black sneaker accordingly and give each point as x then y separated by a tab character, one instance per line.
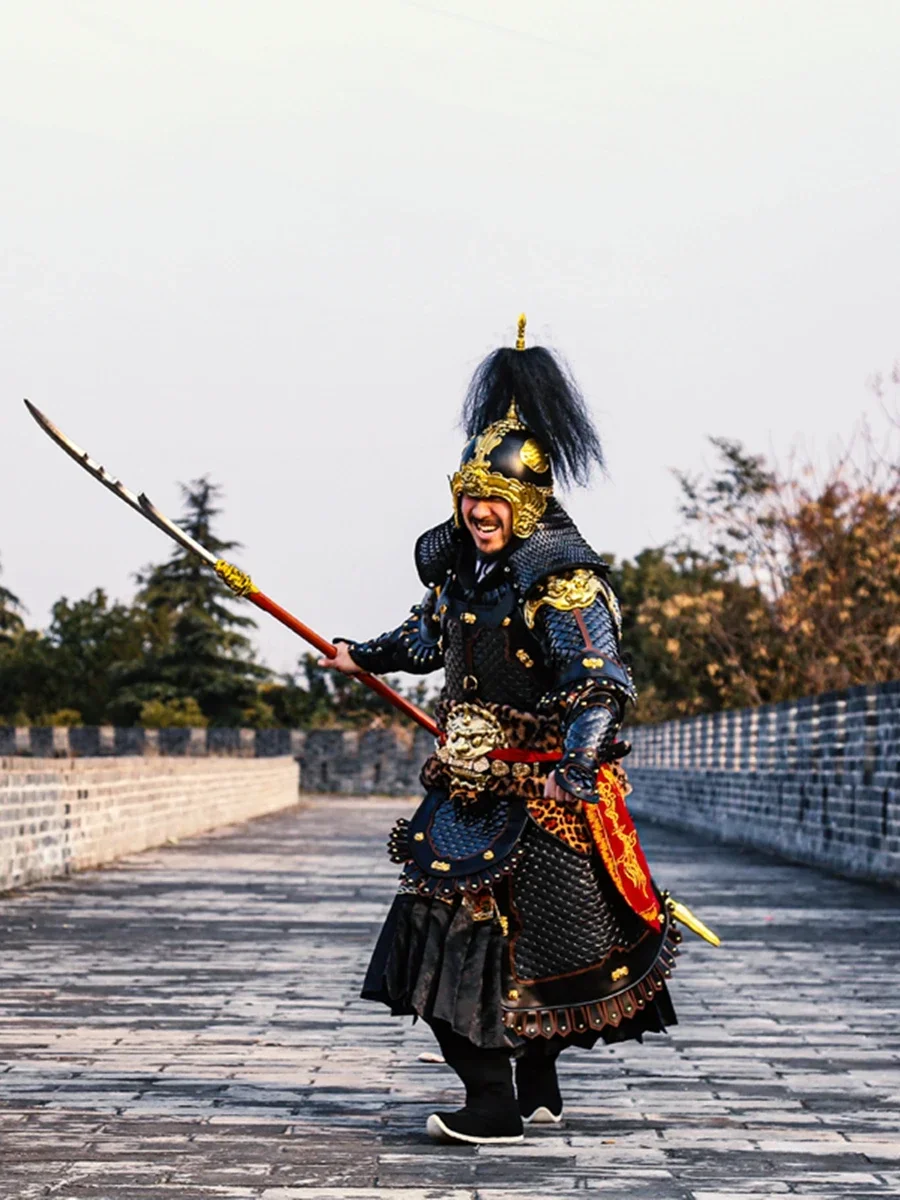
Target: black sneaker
474	1127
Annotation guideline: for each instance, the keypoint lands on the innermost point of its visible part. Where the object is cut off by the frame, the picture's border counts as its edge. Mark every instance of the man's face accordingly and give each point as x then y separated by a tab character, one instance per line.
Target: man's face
489	522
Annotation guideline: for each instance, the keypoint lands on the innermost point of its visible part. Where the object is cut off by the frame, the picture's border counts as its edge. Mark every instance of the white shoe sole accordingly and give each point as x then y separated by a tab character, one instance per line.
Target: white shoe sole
543	1116
435	1128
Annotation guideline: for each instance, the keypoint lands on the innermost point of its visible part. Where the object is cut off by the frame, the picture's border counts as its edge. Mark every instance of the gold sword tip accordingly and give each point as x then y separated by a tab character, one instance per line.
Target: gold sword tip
683	915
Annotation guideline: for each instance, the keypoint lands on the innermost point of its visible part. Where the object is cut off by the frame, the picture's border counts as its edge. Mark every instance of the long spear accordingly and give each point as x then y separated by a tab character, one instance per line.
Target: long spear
237	580
242	585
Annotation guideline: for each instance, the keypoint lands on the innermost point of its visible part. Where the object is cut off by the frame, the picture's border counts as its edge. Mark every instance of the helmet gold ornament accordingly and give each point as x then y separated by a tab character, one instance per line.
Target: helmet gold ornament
508	462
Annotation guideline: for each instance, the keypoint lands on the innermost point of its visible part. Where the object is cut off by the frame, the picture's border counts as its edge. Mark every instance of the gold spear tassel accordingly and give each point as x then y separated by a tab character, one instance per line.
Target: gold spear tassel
681	913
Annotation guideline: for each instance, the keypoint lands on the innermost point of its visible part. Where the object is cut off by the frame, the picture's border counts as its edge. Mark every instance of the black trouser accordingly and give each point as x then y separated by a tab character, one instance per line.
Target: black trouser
485	1072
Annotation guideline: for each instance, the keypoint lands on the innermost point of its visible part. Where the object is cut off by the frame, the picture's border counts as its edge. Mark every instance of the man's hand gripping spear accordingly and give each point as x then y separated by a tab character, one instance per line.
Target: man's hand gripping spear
242	585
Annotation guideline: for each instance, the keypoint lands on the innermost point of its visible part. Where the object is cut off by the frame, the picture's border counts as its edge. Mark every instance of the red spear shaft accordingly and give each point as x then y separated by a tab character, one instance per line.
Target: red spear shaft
261	600
239	582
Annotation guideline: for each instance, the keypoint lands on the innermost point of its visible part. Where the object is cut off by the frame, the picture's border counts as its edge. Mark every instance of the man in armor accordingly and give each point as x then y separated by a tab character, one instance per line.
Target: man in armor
526	920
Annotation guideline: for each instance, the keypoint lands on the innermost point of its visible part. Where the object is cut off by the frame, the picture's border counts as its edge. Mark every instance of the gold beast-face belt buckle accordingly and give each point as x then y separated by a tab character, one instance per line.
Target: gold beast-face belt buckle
472	733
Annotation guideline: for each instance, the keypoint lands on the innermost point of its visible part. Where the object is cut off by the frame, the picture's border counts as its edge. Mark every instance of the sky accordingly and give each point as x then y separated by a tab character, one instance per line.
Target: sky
270	242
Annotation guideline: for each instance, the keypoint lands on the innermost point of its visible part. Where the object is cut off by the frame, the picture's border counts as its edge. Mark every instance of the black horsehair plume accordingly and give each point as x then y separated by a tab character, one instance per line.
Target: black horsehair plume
548	402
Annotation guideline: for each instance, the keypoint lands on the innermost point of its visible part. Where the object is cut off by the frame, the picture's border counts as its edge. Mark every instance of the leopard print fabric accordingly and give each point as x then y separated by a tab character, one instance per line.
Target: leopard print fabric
529	731
524	730
564	821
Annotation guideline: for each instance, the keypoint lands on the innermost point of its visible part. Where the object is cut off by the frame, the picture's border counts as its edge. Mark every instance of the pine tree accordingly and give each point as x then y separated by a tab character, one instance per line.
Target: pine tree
11	623
200	651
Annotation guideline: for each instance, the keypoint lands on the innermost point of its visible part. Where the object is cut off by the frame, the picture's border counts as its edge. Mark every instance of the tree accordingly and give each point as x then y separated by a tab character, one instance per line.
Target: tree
169	714
314	696
76	666
660	586
11	624
795	579
198	650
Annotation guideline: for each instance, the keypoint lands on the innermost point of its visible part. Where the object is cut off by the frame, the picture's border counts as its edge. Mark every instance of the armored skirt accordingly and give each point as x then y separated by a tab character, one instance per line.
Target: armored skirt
507	926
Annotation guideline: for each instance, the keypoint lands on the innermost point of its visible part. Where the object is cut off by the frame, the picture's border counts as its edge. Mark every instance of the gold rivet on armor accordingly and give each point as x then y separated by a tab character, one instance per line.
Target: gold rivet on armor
592	662
513	994
506	621
442	609
504	924
419	837
437	865
525	659
620	973
468	617
488	854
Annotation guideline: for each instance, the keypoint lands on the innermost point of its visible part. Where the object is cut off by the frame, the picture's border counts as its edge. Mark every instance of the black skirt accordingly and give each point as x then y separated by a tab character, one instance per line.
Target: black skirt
433	961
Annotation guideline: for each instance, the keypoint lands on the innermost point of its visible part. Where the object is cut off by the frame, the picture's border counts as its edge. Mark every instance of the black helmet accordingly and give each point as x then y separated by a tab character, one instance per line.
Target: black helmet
525	419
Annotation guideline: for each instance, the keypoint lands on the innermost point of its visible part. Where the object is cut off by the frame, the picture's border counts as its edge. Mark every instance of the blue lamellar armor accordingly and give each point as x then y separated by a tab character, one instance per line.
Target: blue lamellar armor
536	631
534	688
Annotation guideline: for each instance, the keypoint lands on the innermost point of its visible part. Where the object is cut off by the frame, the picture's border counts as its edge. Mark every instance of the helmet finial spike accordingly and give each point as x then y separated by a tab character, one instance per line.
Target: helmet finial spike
520	339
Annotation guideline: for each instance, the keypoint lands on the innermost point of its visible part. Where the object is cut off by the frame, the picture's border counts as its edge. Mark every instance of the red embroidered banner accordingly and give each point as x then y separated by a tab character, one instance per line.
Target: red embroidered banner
617	843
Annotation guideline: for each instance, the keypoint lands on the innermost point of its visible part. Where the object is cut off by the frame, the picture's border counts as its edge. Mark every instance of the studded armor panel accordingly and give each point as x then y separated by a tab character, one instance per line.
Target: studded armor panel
567	921
458	830
592	685
414	647
481	664
566	640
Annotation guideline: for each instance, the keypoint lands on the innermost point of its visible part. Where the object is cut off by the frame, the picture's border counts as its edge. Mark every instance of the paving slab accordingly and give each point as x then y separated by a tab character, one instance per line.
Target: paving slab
186	1024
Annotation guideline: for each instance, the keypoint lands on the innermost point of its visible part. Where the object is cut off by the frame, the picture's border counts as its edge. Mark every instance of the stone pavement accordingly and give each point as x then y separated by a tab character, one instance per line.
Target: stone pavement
185	1025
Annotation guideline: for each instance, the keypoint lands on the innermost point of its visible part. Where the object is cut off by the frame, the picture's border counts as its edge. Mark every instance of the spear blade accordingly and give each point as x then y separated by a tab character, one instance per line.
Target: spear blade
149	510
84	460
237	580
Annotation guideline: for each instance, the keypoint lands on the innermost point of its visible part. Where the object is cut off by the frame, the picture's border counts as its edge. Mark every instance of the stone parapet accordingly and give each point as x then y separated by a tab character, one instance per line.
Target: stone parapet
816	780
384	762
102	741
60	815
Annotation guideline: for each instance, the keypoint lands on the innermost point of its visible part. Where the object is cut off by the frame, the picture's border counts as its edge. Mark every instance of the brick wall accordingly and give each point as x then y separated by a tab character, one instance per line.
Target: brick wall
383	762
816	780
93	741
60	815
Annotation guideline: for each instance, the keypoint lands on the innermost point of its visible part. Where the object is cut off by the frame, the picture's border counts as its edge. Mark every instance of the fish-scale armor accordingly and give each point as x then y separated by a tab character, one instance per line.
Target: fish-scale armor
458	831
595	728
554	547
501	677
564	639
568	924
436	552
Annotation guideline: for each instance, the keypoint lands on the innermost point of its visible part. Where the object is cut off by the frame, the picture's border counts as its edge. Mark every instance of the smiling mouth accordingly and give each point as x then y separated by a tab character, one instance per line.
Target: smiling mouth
486	528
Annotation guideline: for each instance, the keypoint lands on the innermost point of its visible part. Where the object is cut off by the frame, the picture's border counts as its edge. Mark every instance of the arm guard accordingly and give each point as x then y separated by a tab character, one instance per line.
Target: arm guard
414	647
576	617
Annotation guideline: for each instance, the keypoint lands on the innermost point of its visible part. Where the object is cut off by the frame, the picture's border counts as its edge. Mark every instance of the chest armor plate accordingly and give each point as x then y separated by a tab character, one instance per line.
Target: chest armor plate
489	653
